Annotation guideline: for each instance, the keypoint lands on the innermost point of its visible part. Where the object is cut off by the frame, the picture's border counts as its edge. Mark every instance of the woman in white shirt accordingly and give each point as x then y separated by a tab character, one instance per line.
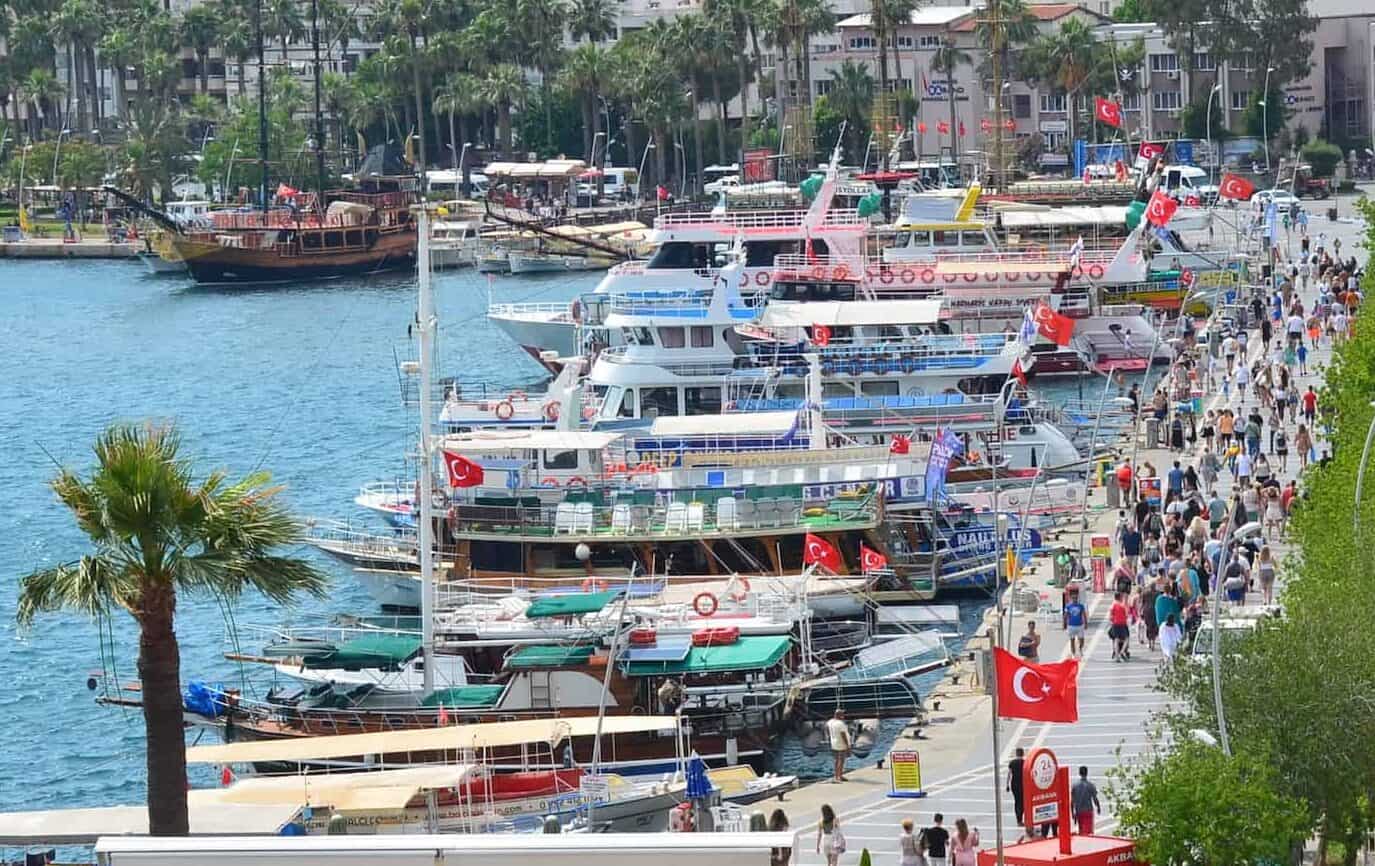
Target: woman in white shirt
1171	635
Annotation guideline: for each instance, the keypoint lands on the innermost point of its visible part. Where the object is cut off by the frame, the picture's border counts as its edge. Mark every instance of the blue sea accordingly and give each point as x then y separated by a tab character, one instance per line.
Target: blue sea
301	381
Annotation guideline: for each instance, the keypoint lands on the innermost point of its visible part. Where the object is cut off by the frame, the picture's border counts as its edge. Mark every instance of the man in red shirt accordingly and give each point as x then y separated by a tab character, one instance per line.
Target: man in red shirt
1124	481
1118	629
1310	404
1287	496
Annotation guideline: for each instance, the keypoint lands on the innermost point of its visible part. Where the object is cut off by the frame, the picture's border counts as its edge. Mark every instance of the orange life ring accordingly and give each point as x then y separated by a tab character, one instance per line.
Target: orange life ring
885	277
950	278
871	272
909	275
742	589
842	272
928	276
1012	276
705	604
761	278
819	273
576	481
549	481
505	410
1095	272
992	278
647	468
1033	275
551	411
971	278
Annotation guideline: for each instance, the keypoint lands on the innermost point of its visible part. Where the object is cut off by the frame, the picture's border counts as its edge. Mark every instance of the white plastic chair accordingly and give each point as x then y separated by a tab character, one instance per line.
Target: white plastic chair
746	515
675	519
696	517
583	518
563	519
726	517
620	518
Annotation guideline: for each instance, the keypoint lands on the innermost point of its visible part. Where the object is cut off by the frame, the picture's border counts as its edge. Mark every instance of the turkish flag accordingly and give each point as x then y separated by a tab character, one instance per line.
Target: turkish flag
921	127
900	445
1018	373
871	560
1052	325
818	551
462	471
985	124
942	127
1150	150
1010	124
1107	111
1235	187
962	127
1039	692
821	335
1160	208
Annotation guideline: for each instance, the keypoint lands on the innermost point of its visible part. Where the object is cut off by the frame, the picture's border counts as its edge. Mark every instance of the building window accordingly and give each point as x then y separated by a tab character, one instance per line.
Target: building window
905	42
896	84
1167	100
1245	63
1241	100
1053	140
1021	105
823	86
929	42
1164	63
1131	102
1052	103
862	43
1203	61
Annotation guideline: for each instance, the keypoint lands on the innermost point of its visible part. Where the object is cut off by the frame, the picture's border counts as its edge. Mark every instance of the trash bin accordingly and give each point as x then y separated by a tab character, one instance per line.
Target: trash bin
1114	493
1152	433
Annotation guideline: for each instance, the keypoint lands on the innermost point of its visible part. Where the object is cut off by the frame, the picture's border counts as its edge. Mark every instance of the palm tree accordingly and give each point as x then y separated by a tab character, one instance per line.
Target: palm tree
338	26
282	20
690	56
235	34
118	50
583	74
852	94
884	17
457	97
947	57
200	30
1069	54
736	14
503	87
540	24
156	532
594	20
40	88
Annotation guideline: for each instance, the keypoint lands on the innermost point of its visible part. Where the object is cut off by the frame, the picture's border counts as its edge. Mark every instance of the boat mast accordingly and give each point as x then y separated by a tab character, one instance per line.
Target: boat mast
426	316
262	104
319	121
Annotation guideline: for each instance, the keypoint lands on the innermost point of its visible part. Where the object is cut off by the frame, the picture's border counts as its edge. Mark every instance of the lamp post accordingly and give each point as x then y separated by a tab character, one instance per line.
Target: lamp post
1212	156
1265	118
57	152
643	156
682	172
1360	476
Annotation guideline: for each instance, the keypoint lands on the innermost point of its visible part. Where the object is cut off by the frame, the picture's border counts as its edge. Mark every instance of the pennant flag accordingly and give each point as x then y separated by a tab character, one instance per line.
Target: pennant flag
1119	170
1010	125
226	776
284	191
1028	333
1018	373
985	124
1038	692
900	445
942	127
921	127
962	132
1052	325
462	471
1088	176
871	560
1107	111
1150	150
1235	187
818	551
443	716
1160	208
23	218
821	335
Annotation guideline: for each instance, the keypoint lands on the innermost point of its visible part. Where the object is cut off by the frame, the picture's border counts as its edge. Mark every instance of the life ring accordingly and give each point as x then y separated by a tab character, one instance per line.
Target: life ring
576	481
819	273
992	278
871	272
971	278
761	278
741	590
928	276
617	468
549	481
705	604
588	413
1033	276
886	277
950	278
592	584
551	411
505	410
1095	272
909	275
842	272
1012	276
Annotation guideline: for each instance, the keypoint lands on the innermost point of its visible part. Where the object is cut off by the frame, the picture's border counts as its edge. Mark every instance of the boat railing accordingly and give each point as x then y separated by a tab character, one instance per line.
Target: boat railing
621	355
376	200
927	346
943	407
342	534
836	218
682	304
829	268
496	310
1023	259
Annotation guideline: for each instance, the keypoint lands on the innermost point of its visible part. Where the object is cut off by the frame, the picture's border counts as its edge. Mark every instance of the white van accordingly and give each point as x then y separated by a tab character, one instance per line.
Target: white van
615	183
1181	181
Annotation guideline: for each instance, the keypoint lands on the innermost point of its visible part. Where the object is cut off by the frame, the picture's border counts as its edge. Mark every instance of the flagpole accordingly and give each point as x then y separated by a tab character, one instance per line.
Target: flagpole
997	744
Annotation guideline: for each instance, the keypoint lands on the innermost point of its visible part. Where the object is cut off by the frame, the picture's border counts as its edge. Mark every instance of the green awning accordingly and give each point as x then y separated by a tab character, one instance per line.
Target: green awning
545	656
380	650
464	696
747	654
570	604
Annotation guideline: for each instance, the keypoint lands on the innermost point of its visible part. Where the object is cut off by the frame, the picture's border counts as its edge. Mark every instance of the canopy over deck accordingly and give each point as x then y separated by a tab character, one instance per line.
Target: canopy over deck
496	441
85	826
851	313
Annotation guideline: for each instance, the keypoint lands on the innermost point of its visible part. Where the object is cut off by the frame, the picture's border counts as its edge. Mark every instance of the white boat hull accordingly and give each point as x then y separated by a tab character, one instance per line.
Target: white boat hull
537	263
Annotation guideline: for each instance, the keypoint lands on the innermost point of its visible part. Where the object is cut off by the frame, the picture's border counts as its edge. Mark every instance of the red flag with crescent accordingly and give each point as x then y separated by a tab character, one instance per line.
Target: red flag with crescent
1107	111
921	127
870	559
462	471
1018	373
1052	325
1039	692
818	551
942	127
962	132
821	335
1150	150
900	445
1235	187
1160	208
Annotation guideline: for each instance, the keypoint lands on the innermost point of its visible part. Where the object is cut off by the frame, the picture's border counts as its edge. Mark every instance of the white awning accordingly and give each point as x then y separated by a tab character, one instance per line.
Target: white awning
794	315
453	737
490	441
84	826
1066	217
768	423
381	789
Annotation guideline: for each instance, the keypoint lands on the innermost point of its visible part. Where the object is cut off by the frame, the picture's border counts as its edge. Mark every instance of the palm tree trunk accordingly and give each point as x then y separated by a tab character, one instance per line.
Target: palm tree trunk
242	82
589	137
741	74
721	121
454	150
660	175
159	671
203	61
697	141
950	91
504	128
93	87
881	139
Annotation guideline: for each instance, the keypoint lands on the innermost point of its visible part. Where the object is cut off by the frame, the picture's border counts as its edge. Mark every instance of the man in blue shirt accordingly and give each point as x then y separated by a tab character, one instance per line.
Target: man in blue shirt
1076	623
1175	482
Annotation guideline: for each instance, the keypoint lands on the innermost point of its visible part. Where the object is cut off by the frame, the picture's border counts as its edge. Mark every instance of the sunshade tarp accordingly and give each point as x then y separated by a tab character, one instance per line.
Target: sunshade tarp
570	604
84	826
747	654
539	656
367	651
451	737
382	789
464	696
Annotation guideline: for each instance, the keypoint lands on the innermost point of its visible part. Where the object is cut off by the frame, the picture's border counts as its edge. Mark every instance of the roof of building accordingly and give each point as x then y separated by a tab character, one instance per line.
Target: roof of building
1047	12
927	16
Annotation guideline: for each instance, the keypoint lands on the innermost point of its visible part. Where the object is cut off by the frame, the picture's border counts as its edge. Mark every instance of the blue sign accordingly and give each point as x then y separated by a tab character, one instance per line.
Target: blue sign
946	446
981	540
1184	152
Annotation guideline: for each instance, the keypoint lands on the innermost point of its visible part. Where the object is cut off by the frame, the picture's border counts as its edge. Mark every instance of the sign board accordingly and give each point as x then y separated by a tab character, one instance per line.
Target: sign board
595	787
1046	788
946	445
904	773
1150	490
758	166
1100	545
1054	126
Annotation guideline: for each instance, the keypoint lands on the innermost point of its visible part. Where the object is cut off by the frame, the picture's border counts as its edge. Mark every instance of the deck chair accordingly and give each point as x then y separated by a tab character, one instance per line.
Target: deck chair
563	518
620	518
696	517
639	518
726	516
675	518
583	518
746	514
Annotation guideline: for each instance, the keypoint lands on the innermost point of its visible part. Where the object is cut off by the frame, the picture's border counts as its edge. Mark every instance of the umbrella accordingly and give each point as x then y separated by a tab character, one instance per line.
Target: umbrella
698	785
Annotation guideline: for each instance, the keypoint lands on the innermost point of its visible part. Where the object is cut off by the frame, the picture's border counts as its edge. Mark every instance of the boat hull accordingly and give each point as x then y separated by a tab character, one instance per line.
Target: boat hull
212	264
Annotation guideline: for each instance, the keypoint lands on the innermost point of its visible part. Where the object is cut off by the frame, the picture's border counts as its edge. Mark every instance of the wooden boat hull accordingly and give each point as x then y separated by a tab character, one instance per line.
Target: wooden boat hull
211	263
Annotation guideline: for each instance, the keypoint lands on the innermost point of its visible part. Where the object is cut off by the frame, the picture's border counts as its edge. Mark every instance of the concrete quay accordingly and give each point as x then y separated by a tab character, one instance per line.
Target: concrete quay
56	248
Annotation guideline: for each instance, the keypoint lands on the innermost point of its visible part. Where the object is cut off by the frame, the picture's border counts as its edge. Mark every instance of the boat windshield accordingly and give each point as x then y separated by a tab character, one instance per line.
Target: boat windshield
682	255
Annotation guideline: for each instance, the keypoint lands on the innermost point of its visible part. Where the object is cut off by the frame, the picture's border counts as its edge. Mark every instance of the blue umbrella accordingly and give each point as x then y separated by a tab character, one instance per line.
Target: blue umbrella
698	785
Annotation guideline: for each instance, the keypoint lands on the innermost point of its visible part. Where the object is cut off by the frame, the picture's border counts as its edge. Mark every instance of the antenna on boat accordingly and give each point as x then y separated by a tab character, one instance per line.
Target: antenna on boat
427	328
262	105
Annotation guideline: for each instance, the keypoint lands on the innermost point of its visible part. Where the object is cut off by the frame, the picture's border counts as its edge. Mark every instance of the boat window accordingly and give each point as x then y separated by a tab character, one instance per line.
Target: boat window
973	239
879	389
334	239
790	392
919	239
627	407
945	239
560	459
643	337
679	255
658	402
671	338
760	254
702	401
701	336
310	240
836	389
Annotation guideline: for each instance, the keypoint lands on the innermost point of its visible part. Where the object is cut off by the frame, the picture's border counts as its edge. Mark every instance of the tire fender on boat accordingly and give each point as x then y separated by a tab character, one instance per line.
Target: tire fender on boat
504	410
705	604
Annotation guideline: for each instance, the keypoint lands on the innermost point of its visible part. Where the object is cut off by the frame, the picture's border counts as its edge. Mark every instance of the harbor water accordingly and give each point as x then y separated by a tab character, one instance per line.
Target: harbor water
302	381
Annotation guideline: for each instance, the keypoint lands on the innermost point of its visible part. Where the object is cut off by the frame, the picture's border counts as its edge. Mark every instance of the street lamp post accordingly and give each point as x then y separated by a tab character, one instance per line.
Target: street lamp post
643	156
1265	118
1360	476
1212	156
57	152
682	172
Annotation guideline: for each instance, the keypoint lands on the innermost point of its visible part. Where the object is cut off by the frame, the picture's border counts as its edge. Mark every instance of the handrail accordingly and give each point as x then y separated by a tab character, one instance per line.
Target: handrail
835	218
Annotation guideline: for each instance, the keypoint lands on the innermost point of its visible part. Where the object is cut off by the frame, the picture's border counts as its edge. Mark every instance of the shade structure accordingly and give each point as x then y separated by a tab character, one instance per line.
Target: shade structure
570	604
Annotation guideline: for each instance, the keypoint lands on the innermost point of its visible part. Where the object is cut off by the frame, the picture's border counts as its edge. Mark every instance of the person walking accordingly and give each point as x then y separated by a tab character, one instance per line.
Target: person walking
1265	573
1171	635
908	850
1282	449
830	841
1274	513
1310	405
1029	647
839	734
1083	802
934	841
1076	624
965	844
1014	783
778	823
1303	444
1118	629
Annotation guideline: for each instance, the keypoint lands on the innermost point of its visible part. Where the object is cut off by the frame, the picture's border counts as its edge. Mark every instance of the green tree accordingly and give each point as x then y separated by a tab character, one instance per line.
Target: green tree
948	58
1266	114
236	37
1067	55
852	97
593	20
200	31
502	88
1323	156
1193	804
157	533
1130	12
283	21
583	75
1194	118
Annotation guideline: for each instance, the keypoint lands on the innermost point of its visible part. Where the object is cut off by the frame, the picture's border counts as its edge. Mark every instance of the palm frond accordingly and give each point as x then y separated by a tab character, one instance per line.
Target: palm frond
90	585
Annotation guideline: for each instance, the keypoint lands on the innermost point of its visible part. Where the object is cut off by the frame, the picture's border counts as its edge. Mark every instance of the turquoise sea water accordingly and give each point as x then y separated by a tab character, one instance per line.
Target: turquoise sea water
299	380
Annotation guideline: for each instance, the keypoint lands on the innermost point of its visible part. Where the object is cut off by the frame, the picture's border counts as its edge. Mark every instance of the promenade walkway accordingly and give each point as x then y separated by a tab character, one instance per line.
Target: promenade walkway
1116	701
